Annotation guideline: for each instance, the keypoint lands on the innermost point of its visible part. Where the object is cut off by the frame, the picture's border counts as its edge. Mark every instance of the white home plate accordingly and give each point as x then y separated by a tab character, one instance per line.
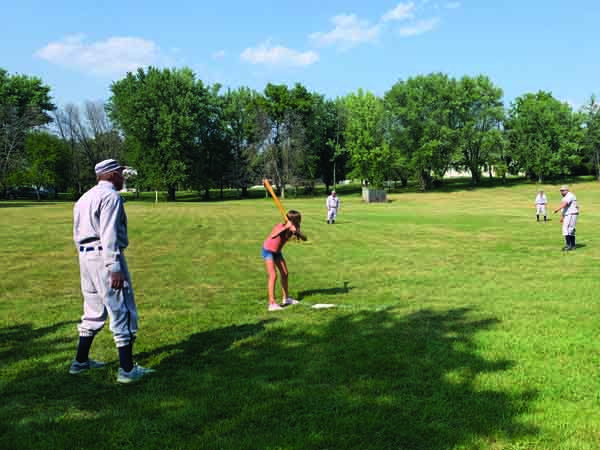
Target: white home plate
323	305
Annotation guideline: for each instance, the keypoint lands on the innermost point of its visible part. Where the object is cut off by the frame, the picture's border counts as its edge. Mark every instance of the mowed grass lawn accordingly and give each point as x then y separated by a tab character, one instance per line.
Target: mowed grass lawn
460	325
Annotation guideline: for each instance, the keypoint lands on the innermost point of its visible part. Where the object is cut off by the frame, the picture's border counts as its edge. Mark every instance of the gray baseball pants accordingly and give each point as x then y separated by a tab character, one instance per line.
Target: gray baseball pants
101	301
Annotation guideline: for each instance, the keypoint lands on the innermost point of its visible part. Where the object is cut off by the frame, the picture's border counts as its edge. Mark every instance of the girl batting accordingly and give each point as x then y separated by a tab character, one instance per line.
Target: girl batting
273	257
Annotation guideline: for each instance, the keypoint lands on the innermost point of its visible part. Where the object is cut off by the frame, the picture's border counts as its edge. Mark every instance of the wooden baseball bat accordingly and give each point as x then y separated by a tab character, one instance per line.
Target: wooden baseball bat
275	199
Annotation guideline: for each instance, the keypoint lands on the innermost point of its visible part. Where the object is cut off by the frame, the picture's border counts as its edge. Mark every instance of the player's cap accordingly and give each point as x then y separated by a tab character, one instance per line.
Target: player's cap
564	187
107	166
333	192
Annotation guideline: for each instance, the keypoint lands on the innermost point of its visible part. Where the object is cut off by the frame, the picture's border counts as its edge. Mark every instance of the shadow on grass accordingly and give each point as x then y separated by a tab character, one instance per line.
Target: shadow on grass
370	380
327	291
22	341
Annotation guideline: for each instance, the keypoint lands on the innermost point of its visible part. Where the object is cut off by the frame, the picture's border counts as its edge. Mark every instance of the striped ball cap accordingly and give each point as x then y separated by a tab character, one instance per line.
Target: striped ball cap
107	166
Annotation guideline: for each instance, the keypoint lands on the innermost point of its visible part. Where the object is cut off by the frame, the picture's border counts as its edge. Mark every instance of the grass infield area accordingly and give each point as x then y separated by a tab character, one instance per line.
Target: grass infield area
459	324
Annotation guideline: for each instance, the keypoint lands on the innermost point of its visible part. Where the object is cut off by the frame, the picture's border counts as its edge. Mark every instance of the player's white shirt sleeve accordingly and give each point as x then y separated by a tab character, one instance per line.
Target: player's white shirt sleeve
111	213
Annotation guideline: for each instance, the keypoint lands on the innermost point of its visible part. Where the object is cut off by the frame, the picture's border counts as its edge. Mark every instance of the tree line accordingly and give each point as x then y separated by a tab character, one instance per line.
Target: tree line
181	133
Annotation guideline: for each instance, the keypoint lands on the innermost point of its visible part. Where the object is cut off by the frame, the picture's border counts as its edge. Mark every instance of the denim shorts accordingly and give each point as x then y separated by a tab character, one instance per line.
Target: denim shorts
275	256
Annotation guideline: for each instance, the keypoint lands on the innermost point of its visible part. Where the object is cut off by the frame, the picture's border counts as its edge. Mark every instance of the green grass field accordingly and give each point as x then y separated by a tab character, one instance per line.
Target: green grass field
460	325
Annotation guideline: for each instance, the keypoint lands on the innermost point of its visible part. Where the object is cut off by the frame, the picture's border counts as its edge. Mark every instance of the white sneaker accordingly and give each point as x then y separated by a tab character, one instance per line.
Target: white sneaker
134	375
290	301
274	307
77	367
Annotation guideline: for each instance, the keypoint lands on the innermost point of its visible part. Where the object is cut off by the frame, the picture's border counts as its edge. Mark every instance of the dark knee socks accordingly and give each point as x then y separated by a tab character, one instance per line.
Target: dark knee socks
126	357
83	349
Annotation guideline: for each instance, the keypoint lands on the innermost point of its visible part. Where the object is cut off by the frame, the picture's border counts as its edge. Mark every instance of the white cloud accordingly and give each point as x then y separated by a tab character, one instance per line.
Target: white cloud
452	5
113	56
420	27
349	31
403	11
276	55
219	54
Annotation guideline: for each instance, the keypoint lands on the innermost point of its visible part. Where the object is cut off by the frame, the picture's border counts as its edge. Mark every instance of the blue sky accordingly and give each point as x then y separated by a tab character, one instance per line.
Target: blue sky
333	47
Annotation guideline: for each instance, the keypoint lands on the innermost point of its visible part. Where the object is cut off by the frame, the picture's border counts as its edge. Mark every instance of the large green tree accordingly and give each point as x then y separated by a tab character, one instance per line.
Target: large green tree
240	120
213	153
422	124
47	162
591	138
25	103
370	155
162	114
545	136
478	117
283	121
325	140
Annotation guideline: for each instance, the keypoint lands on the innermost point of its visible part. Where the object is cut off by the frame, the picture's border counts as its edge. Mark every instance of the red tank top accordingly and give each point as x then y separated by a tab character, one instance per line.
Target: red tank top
276	244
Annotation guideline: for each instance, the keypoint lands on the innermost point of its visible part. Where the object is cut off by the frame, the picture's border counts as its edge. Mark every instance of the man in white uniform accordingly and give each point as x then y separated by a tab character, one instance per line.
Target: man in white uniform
569	214
540	205
100	234
332	204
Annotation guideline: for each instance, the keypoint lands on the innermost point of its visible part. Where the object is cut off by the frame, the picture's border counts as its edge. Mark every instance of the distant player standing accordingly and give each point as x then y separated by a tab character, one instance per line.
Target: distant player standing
540	205
333	205
569	214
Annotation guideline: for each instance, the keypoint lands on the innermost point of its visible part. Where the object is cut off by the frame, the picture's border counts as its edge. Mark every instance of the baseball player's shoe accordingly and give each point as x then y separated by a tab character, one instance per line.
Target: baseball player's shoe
289	301
77	367
274	307
134	375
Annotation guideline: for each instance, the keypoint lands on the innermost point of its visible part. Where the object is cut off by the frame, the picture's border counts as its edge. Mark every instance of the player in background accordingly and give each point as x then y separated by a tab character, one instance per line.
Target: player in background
333	205
541	201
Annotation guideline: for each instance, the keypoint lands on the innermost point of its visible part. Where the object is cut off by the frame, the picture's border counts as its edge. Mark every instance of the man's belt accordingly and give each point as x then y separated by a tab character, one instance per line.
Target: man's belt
84	249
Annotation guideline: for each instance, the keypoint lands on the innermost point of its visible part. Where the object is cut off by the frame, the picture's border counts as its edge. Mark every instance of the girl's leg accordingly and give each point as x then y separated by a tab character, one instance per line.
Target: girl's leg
283	270
270	266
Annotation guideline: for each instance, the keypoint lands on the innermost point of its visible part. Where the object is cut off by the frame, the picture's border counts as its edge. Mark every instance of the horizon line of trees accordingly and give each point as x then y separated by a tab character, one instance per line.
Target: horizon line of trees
180	133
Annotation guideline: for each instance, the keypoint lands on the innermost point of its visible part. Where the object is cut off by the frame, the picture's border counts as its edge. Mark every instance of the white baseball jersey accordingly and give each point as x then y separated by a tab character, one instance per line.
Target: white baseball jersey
571	207
99	217
332	202
541	199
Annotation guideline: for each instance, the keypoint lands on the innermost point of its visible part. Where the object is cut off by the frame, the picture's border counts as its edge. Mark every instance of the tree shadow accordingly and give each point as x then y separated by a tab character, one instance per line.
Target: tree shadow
369	380
21	341
326	291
